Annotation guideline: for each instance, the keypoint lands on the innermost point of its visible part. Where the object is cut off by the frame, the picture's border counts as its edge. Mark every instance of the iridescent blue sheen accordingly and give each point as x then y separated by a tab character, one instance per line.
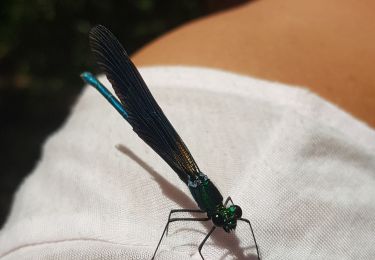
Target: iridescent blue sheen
90	79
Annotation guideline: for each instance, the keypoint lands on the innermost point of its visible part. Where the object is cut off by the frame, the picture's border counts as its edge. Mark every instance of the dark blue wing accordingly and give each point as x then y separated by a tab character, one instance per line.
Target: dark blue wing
144	114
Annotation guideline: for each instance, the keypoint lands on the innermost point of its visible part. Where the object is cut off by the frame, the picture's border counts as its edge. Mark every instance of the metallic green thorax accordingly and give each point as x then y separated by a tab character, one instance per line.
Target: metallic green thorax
210	200
205	194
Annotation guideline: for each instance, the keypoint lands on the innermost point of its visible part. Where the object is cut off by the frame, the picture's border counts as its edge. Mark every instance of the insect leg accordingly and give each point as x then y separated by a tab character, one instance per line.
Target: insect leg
252	232
227	200
173	220
204	241
181	210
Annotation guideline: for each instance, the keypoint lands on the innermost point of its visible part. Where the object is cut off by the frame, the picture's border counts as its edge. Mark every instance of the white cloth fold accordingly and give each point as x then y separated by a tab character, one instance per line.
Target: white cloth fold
302	170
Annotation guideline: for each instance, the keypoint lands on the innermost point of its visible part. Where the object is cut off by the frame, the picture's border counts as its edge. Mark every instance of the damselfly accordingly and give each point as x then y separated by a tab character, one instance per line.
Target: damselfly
139	108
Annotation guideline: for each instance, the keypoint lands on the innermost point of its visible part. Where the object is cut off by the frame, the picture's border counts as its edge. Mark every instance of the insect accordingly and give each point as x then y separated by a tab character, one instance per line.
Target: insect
137	106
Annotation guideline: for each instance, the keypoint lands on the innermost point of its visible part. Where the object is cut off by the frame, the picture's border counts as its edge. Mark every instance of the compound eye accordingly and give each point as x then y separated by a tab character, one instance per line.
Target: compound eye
218	220
237	211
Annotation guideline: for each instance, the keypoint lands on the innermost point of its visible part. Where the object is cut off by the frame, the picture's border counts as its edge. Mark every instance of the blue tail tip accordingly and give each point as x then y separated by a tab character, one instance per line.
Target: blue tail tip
89	78
86	74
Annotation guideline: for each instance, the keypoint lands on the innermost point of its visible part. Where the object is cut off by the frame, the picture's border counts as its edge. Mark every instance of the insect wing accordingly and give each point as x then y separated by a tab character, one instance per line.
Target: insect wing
144	114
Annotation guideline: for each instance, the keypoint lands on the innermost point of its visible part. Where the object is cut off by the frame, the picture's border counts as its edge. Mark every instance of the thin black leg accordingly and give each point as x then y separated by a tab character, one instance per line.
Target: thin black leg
227	200
204	241
181	210
252	232
170	220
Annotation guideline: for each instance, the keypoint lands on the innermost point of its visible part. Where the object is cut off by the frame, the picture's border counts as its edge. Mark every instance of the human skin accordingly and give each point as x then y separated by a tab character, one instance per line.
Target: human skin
325	46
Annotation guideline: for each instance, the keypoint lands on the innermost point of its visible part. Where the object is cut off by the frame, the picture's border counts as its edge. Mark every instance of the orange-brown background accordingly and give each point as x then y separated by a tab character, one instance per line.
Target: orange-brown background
326	46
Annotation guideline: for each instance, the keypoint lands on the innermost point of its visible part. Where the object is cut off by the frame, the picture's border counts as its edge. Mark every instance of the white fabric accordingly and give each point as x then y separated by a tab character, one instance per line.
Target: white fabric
302	170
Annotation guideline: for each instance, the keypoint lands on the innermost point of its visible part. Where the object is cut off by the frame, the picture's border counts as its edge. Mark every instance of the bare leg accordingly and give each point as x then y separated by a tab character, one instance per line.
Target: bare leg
252	232
178	219
204	241
200	36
